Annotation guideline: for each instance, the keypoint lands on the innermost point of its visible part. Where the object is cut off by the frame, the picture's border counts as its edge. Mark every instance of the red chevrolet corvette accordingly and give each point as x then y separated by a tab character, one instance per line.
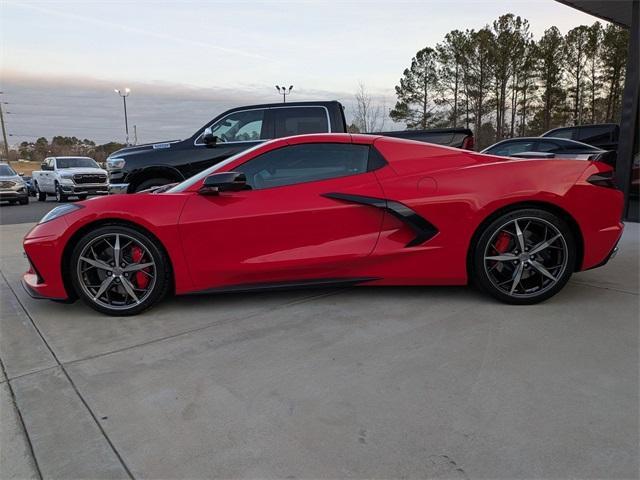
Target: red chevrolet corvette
319	210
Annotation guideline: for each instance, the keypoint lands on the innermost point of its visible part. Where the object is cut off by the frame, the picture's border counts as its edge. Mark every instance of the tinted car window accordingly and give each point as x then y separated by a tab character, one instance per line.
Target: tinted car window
6	171
569	133
76	162
240	126
577	146
549	147
595	135
300	120
509	148
304	163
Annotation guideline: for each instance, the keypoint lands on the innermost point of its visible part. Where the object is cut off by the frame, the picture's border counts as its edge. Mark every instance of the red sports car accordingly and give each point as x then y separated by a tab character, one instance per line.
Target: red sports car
319	210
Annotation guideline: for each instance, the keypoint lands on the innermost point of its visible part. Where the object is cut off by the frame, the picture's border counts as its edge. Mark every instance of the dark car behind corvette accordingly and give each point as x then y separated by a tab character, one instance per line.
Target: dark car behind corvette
546	147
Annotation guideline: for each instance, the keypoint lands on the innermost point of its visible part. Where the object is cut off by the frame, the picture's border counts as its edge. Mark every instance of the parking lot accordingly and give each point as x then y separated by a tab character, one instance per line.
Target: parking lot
337	383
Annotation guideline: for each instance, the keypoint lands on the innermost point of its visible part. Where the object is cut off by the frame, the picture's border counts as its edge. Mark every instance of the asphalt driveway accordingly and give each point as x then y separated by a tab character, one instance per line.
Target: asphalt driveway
358	383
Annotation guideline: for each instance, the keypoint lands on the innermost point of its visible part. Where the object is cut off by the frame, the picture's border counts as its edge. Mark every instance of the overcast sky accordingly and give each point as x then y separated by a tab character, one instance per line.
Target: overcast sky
186	61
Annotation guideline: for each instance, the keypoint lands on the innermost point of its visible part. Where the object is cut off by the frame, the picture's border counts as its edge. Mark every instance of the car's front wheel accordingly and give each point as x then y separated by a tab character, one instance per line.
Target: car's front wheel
524	257
60	196
119	270
42	197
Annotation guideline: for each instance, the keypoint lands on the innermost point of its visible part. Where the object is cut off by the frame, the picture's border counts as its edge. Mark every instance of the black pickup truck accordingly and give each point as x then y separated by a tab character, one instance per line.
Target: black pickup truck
137	168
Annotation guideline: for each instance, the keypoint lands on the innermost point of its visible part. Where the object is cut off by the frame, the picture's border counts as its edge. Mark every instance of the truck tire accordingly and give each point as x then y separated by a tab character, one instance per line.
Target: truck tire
42	197
24	201
152	182
60	196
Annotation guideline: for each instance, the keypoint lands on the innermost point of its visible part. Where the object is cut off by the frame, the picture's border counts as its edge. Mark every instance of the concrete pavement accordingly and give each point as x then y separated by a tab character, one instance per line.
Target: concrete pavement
359	383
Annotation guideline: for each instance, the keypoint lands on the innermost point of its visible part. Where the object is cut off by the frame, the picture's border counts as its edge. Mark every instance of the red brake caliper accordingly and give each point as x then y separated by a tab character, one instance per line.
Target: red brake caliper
502	242
142	280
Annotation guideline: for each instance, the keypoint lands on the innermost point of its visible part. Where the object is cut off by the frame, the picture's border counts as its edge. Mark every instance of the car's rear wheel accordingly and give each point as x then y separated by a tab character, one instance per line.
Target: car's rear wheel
119	270
524	257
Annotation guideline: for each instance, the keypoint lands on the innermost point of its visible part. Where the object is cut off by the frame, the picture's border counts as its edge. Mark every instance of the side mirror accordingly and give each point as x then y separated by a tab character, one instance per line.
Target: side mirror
223	182
209	138
43	166
21	174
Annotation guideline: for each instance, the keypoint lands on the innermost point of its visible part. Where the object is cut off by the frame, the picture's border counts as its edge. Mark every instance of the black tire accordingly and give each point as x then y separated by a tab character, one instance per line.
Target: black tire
487	273
60	196
162	267
152	182
24	201
42	197
82	197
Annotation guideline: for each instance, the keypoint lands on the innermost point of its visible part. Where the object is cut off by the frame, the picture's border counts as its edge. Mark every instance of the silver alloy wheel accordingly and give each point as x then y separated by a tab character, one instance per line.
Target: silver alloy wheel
526	257
111	275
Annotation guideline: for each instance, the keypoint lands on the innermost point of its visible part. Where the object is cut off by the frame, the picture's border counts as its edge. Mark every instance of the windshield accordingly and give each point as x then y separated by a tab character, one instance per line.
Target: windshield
181	187
6	171
76	162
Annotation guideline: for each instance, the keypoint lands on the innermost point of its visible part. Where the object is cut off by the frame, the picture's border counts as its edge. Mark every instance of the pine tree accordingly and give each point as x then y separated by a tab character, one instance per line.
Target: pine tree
416	91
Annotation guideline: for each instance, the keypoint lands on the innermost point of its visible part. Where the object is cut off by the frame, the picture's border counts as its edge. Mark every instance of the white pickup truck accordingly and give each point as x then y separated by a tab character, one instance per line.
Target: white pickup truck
65	177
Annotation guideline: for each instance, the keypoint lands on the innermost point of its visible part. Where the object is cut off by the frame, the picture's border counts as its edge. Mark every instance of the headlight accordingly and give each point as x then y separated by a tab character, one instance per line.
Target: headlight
60	211
67	176
115	163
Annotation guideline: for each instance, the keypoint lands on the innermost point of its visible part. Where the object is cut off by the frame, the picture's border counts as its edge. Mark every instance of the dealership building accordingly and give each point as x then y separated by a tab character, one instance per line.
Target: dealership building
624	13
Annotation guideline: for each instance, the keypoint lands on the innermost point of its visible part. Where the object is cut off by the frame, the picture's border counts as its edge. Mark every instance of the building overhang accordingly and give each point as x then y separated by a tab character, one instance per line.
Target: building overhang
614	11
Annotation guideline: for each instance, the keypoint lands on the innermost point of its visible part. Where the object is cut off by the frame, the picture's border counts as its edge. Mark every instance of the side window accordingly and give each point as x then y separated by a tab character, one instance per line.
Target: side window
243	126
305	163
51	164
549	147
595	135
568	133
509	148
300	120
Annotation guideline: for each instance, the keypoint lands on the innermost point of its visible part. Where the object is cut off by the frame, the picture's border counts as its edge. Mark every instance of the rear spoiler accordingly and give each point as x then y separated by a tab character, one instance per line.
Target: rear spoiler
608	157
533	155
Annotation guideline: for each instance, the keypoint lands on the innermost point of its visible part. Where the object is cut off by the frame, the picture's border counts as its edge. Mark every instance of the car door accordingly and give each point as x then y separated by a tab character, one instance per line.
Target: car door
236	131
48	175
284	229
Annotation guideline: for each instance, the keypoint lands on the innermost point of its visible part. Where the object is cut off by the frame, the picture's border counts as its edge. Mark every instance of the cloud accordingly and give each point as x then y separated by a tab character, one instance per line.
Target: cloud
88	107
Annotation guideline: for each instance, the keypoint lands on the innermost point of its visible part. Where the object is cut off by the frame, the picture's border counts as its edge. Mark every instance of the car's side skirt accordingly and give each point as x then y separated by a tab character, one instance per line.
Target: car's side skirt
287	285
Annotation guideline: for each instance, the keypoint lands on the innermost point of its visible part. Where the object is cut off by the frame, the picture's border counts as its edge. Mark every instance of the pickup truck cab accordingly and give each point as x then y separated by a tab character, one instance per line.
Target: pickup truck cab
69	176
133	169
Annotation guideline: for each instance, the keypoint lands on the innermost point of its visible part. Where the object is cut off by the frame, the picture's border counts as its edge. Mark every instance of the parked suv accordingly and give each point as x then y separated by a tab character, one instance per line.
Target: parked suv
70	176
601	135
12	187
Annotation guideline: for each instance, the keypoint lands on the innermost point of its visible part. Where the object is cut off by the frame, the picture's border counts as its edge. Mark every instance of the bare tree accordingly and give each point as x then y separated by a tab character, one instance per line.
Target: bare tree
369	116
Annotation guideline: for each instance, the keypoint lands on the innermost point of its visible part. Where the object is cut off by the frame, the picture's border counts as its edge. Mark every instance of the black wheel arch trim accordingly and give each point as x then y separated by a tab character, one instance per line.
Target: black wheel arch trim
423	229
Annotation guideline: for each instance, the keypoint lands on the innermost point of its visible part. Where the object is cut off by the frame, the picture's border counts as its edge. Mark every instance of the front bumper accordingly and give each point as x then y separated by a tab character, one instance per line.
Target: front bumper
89	189
13	194
43	247
117	188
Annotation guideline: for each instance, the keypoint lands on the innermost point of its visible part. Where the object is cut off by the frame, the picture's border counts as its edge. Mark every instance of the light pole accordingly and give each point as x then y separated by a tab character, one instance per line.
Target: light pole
124	96
284	92
4	132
